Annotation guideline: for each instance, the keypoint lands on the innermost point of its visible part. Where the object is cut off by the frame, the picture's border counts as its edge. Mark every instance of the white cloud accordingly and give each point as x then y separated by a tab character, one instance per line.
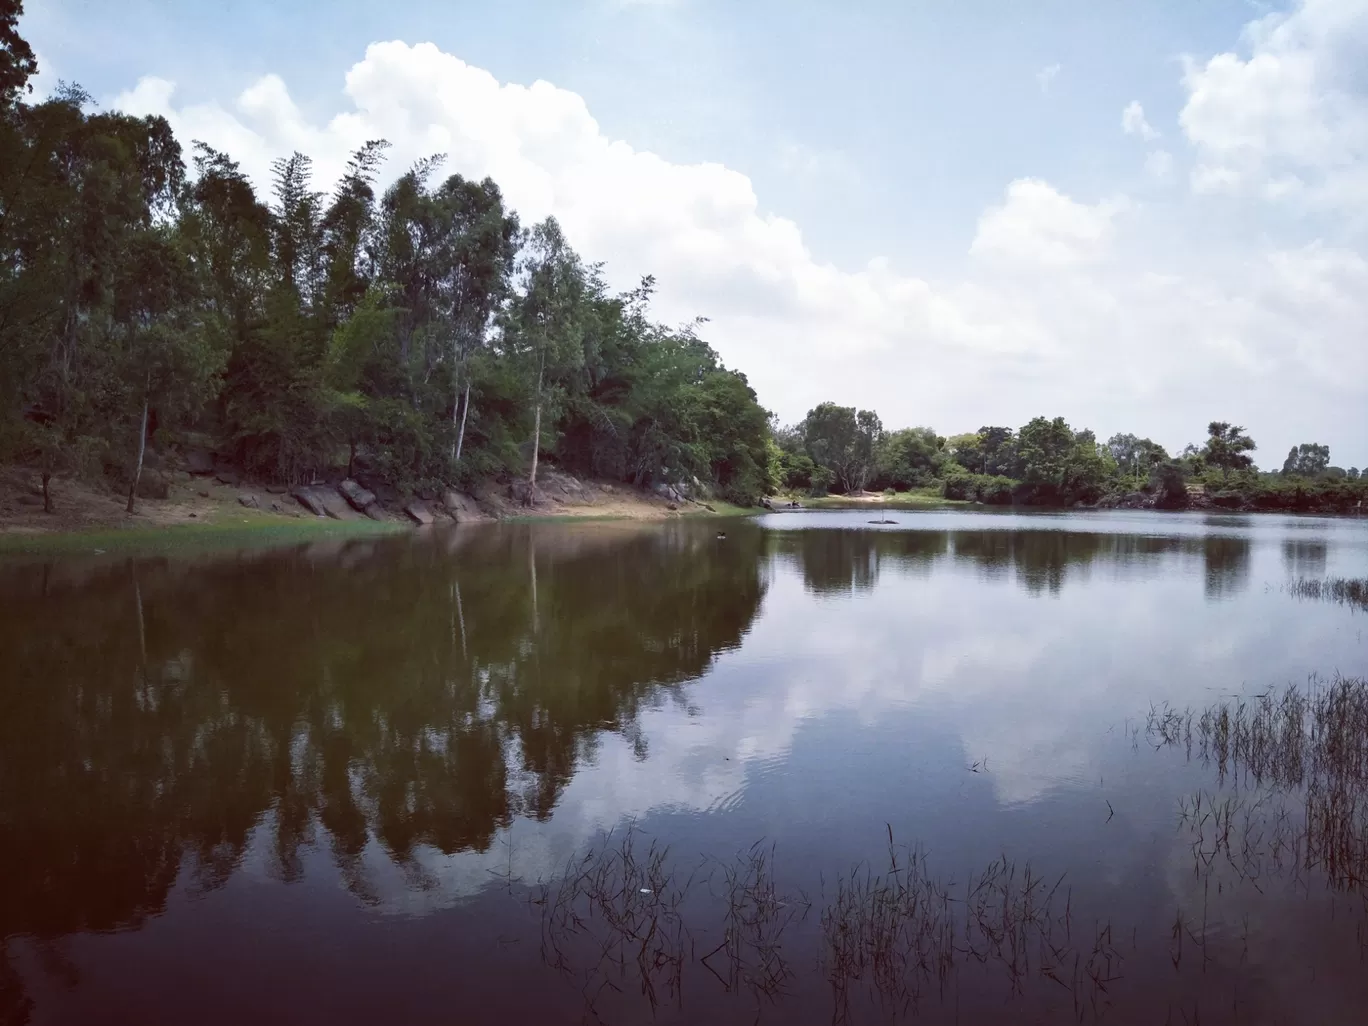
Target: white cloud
1039	225
1294	111
1064	307
1159	164
1046	76
1133	122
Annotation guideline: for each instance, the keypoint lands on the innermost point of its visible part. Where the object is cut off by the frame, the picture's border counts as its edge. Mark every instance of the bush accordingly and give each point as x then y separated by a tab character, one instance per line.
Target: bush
1169	485
992	490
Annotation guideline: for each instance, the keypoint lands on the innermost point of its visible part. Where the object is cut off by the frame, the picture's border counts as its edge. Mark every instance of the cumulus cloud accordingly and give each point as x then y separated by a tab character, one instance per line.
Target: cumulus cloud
1038	225
1289	117
1134	122
1062	308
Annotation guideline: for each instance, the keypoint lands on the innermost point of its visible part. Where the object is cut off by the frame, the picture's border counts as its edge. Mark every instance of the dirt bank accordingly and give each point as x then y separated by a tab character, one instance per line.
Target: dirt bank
206	499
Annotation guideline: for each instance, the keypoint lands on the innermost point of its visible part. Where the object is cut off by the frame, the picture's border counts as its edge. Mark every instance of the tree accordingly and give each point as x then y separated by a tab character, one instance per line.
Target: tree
909	457
1135	456
1043	451
167	354
17	63
1306	460
477	248
546	320
843	440
1228	447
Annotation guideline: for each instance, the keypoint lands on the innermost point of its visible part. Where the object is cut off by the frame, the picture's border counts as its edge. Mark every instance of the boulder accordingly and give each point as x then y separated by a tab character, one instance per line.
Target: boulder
359	498
152	485
334	505
460	506
276	489
199	461
309	499
375	512
524	494
249	500
419	513
226	475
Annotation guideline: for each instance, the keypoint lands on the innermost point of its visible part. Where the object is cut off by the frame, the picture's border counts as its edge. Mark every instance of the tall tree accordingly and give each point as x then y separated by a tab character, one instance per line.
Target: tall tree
1307	460
1228	447
166	352
477	250
547	318
844	440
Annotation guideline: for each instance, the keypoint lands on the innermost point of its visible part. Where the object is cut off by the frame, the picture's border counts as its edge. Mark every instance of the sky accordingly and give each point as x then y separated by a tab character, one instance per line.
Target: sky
1141	217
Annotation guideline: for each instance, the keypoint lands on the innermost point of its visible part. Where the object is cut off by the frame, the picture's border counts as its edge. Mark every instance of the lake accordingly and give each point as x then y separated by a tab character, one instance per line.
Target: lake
962	767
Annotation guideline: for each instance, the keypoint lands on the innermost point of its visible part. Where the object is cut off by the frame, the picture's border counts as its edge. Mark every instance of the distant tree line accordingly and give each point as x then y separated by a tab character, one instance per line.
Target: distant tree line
1045	462
420	333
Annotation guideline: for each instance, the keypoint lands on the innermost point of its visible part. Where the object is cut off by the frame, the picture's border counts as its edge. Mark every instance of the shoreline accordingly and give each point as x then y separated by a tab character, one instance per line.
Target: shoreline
202	512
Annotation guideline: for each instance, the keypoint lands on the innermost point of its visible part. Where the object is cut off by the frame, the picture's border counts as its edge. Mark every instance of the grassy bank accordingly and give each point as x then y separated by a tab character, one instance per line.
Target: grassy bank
898	500
255	529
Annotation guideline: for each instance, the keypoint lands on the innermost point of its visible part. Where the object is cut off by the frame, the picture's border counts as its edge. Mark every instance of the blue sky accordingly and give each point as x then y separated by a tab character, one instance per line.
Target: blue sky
1033	255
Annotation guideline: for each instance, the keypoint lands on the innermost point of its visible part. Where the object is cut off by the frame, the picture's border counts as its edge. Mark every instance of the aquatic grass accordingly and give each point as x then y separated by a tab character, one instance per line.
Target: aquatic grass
1292	776
902	933
614	919
1347	591
626	918
1301	736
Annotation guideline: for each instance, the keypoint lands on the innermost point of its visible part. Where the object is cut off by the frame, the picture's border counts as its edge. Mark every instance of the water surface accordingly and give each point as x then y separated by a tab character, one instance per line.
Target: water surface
817	770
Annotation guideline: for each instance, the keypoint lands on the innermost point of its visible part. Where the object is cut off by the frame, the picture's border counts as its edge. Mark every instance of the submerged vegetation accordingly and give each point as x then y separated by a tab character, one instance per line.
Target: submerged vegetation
1344	590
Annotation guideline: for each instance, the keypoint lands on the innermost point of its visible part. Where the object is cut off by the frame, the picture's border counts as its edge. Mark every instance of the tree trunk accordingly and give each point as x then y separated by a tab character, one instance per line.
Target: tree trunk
465	412
142	448
536	434
47	492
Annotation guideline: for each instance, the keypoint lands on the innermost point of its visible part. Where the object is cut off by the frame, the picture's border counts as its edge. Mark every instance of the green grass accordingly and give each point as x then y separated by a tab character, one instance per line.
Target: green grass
901	500
222	532
721	509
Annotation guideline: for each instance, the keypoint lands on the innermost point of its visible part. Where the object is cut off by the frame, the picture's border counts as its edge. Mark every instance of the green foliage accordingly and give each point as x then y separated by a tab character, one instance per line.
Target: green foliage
1169	484
1307	460
1135	456
990	489
415	337
844	441
1228	447
909	458
17	63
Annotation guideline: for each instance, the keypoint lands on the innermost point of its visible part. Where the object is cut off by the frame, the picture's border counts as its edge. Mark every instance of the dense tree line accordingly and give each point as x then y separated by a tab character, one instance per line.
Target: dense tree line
420	333
1045	462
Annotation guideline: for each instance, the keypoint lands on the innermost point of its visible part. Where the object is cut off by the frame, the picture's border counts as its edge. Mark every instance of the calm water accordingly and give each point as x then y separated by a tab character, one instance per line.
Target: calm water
629	773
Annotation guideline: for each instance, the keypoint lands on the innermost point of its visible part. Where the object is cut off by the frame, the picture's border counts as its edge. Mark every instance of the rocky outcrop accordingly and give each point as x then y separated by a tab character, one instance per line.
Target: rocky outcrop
461	507
420	513
325	502
249	501
360	498
199	461
524	494
310	501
